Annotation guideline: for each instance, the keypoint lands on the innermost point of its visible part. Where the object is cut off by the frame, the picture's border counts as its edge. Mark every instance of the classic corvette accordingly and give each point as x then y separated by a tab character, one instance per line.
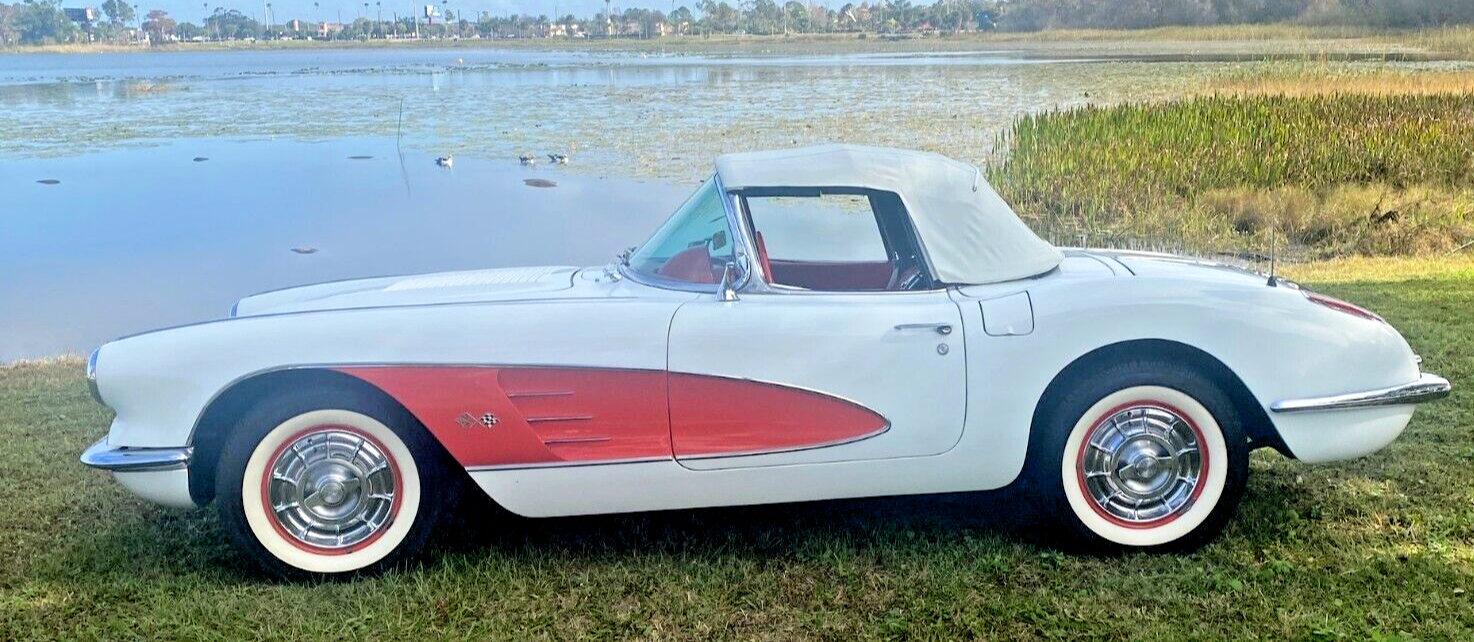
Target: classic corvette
813	323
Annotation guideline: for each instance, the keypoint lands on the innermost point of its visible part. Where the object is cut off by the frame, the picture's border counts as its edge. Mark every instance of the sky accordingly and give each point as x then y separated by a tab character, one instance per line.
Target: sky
194	11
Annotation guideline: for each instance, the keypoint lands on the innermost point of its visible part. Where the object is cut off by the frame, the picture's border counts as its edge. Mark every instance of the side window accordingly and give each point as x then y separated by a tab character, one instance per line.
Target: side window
831	241
829	228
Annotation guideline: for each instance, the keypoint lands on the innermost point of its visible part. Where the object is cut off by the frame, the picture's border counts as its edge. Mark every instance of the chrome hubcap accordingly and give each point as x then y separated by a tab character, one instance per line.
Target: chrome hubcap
331	489
1142	464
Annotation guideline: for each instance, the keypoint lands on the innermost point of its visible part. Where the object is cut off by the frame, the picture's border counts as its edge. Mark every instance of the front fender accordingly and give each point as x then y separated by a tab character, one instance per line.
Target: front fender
160	383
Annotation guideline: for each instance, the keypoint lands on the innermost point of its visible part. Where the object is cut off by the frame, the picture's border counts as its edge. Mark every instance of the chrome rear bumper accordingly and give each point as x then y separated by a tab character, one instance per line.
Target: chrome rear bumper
120	459
1427	388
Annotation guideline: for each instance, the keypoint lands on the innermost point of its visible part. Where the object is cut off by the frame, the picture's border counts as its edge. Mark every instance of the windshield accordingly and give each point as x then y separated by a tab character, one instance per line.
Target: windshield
694	245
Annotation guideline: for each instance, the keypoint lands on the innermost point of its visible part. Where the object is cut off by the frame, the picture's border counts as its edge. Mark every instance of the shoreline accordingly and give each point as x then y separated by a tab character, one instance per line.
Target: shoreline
1238	40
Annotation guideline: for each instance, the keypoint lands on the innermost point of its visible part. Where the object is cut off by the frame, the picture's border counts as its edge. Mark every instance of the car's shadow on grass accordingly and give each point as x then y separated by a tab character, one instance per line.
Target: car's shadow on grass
1008	518
184	543
765	531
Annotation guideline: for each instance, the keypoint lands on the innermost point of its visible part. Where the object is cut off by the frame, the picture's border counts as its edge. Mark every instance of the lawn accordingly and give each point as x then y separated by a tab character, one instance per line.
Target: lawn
1381	548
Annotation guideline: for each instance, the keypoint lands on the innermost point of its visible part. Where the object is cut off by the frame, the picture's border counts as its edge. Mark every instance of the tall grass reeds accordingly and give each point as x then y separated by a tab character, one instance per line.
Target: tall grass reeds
1333	173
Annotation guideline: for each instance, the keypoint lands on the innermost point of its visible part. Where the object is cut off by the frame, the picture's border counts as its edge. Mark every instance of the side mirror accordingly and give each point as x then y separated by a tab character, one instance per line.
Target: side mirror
727	289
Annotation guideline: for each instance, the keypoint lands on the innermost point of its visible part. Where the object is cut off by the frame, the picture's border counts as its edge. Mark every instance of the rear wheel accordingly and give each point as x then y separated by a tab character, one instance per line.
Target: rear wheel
1143	456
318	483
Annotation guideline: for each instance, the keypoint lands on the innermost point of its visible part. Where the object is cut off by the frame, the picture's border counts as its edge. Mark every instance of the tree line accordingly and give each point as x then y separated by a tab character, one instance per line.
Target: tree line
44	21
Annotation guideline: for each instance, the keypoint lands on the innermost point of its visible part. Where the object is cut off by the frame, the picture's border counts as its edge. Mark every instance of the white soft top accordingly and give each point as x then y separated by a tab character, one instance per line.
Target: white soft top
969	234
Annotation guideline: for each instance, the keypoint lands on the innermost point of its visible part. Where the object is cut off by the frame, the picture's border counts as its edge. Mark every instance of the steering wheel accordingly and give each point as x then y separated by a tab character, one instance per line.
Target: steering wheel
905	274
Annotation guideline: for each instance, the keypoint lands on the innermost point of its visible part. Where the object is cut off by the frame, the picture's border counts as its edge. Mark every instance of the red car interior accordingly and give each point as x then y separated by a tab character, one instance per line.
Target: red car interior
762	253
831	276
692	265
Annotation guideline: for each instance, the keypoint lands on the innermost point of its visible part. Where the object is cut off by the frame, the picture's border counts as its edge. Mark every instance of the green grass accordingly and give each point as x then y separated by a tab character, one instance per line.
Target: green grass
1334	173
1380	548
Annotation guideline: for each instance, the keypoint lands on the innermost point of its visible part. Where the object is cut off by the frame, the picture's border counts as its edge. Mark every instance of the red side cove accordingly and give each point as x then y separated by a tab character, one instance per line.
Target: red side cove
542	415
714	416
552	416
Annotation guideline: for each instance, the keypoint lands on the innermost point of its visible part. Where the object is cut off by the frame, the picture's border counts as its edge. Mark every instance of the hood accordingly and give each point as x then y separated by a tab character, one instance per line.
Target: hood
425	289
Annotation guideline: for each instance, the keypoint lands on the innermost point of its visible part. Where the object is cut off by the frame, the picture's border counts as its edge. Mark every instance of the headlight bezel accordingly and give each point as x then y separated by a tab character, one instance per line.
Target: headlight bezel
92	376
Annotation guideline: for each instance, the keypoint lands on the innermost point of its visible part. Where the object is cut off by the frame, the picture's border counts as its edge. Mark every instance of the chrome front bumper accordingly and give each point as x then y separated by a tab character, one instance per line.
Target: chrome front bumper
1427	388
129	460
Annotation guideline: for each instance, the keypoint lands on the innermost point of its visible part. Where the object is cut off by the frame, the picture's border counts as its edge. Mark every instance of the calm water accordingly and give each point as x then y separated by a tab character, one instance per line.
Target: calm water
133	239
137	234
225	64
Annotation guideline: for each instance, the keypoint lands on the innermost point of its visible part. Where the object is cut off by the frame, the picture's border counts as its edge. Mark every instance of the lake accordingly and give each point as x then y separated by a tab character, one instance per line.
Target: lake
331	153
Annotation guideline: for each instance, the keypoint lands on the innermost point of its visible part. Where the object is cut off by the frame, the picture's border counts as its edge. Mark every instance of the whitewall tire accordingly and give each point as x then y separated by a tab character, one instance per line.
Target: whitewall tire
322	484
384	502
1141	456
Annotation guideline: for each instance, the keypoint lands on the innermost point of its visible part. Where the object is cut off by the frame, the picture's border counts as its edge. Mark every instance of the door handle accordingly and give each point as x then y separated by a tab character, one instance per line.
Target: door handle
939	328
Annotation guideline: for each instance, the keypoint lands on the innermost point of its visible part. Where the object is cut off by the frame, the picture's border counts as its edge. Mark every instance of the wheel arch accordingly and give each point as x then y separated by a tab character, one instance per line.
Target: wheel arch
219	416
1256	422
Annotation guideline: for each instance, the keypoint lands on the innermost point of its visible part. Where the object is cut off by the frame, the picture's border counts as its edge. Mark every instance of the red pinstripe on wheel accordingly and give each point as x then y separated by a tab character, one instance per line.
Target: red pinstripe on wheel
271	512
1198	480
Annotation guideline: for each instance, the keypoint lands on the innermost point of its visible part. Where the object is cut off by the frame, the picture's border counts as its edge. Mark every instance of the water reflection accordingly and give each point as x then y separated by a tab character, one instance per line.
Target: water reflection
134	239
34	68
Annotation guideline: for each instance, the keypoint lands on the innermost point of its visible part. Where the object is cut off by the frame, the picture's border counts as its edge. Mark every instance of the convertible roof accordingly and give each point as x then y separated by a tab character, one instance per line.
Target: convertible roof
969	233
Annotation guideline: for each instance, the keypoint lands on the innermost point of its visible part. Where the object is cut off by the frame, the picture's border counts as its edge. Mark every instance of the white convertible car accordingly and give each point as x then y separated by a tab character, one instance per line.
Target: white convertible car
811	324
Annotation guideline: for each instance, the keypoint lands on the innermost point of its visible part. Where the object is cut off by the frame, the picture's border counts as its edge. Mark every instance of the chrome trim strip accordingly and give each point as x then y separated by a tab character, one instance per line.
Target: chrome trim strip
535	420
575	440
1427	388
780	451
130	460
569	464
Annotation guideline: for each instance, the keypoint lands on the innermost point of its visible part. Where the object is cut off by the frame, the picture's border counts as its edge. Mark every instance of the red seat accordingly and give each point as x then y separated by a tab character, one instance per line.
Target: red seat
762	255
692	265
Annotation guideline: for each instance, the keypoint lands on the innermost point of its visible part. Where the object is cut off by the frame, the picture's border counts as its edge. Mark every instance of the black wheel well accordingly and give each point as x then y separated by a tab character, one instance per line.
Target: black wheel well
225	409
1260	429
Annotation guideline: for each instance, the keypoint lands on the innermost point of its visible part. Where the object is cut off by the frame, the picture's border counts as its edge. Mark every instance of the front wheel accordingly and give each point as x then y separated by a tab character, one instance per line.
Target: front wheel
1141	456
320	484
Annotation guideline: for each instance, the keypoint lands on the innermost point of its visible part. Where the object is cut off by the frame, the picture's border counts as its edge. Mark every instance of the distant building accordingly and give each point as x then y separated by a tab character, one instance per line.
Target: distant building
328	29
83	17
557	30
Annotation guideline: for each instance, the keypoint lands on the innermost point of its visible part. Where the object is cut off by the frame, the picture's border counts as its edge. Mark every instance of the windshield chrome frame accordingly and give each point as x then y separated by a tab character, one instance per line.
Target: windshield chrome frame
740	251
